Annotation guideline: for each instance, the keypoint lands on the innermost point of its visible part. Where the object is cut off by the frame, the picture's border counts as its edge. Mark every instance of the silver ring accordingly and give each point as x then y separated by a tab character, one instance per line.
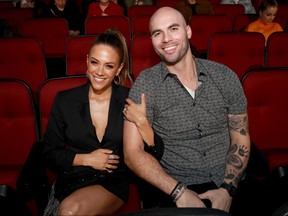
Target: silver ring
111	157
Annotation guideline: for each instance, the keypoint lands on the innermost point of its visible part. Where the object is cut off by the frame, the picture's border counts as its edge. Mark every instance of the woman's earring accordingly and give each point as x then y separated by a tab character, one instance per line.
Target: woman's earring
117	81
87	74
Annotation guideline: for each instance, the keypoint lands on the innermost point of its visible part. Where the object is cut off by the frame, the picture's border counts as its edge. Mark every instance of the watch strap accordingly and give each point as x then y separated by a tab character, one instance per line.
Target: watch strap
230	188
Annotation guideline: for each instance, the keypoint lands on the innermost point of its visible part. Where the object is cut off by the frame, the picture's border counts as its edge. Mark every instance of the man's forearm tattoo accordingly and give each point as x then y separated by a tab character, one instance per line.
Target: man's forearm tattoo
239	124
235	159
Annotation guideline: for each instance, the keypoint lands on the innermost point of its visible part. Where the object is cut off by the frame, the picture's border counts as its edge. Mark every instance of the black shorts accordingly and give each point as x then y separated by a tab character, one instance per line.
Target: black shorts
117	184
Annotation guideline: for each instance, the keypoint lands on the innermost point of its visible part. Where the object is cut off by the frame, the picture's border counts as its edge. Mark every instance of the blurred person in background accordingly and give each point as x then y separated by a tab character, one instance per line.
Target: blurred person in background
194	7
69	10
105	8
265	23
249	8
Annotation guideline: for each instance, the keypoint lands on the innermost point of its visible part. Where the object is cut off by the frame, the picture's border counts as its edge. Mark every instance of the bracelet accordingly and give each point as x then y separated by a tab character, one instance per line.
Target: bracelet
177	191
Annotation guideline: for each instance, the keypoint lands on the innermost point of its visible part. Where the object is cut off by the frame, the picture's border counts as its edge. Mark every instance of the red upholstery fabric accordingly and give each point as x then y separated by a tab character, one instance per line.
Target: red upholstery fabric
277	50
15	16
241	21
77	49
229	9
134	201
18	128
168	3
267	111
52	32
282	15
6	4
23	58
240	51
48	91
142	54
140	25
136	10
203	26
98	24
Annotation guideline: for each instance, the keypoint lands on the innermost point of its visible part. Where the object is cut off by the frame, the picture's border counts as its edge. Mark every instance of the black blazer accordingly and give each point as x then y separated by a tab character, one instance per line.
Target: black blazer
70	130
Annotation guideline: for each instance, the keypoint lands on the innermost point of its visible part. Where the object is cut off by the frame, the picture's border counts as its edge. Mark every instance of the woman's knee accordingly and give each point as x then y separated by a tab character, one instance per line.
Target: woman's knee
69	207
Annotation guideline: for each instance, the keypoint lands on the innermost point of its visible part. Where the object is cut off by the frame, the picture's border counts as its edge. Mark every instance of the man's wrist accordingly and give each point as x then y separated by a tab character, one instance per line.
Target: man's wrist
231	189
178	191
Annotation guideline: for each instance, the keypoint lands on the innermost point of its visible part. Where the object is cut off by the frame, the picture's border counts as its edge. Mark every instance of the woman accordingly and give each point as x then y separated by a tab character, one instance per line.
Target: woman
69	10
105	8
264	24
83	139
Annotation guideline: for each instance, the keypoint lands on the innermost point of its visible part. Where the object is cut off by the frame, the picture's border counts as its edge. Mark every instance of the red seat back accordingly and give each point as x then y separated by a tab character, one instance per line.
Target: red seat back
77	49
140	25
167	3
98	24
242	21
267	111
15	16
277	50
18	128
48	91
203	26
229	9
136	10
142	54
6	4
239	51
23	59
282	15
52	32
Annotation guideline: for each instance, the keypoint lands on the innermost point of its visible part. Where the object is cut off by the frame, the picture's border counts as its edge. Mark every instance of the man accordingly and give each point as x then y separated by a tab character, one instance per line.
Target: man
198	108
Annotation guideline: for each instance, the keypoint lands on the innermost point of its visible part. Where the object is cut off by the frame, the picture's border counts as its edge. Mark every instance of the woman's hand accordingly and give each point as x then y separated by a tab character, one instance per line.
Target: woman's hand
102	159
74	33
136	112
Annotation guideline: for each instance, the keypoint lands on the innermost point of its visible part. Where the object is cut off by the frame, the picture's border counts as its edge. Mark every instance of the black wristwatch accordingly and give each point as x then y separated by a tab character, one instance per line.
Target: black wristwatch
230	188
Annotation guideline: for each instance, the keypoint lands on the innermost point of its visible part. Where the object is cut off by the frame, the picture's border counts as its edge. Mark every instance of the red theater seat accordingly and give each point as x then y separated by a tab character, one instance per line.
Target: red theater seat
52	32
77	49
98	24
23	58
18	128
267	111
137	10
277	50
239	51
142	54
203	26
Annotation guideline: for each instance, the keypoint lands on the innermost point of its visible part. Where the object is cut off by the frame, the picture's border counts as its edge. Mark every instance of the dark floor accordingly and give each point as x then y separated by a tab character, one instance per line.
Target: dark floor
260	196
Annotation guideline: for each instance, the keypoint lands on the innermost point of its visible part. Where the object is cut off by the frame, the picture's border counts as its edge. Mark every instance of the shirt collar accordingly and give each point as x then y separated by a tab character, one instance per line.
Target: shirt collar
201	71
